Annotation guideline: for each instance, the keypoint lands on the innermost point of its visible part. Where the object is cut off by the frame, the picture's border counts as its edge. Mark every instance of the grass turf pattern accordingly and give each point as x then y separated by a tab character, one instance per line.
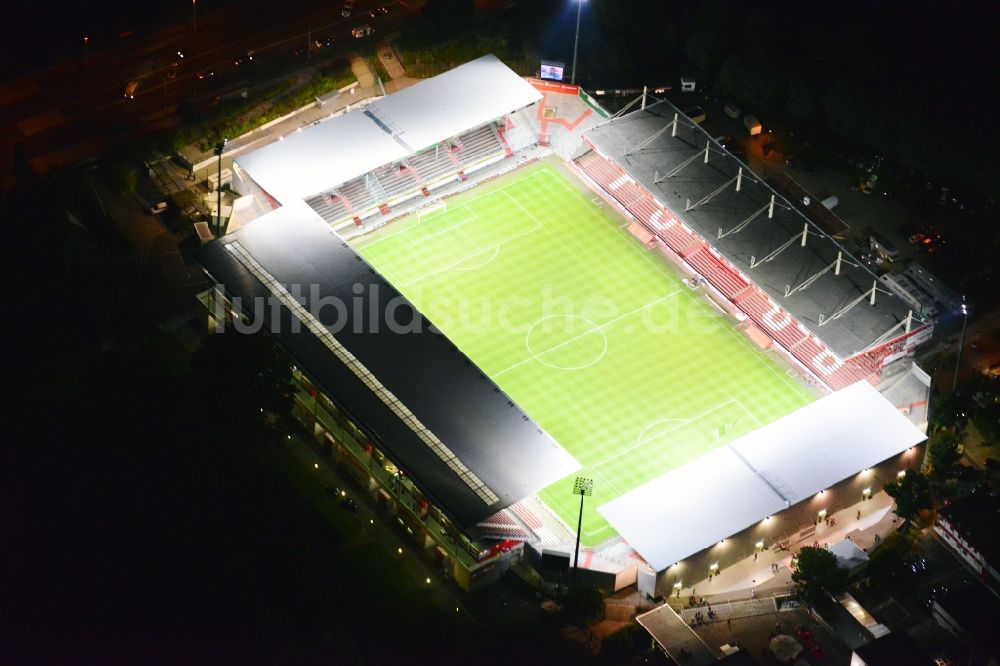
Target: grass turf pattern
589	332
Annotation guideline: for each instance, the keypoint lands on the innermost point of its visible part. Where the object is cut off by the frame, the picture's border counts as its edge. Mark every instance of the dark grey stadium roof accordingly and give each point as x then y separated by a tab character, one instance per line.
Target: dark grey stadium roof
622	139
490	436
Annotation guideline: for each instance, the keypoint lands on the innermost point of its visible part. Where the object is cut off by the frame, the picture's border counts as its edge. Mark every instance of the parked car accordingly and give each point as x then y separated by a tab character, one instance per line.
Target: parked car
351	505
243	59
362	31
172	71
130	89
347	9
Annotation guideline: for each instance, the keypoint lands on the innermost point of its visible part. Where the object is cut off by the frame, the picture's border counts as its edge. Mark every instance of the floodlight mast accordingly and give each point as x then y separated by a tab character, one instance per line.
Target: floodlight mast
576	41
583	487
961	343
219	149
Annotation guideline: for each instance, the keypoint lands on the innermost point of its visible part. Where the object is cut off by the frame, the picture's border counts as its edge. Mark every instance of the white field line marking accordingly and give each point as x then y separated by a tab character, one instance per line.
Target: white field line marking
665	432
600	328
403	226
593	212
496	251
473	218
448	266
749	413
759	355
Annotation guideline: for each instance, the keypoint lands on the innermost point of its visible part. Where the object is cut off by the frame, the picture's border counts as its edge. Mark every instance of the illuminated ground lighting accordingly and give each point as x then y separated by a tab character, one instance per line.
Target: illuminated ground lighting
399	550
315	465
428	580
901	474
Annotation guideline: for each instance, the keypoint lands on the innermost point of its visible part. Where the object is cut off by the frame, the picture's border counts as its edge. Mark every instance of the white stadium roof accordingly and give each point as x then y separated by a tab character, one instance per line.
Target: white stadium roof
320	157
780	464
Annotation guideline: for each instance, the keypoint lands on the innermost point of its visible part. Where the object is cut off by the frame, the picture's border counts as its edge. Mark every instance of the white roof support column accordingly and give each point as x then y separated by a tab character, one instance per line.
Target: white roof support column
754	262
835	265
869	295
906	325
645	142
739	227
680	167
713	193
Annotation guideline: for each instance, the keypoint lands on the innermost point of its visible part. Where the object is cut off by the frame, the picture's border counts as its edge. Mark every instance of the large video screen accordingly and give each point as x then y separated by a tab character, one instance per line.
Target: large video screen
552	71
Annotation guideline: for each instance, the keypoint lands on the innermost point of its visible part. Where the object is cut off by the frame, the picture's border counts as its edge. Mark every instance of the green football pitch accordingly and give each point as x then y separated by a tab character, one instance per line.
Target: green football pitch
593	335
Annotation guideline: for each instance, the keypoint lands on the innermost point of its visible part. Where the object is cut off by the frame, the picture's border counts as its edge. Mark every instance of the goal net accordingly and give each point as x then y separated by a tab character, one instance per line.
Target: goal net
432	210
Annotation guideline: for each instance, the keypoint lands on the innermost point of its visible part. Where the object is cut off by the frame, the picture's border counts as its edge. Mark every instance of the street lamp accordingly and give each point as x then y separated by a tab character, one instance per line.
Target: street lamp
219	149
576	41
194	14
961	343
584	488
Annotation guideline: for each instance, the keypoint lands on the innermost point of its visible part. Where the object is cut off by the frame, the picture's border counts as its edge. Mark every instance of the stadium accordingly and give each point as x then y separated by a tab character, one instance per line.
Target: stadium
491	287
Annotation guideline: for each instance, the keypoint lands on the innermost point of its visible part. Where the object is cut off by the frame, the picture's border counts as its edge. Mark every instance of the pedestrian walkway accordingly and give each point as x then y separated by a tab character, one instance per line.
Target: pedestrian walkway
769	574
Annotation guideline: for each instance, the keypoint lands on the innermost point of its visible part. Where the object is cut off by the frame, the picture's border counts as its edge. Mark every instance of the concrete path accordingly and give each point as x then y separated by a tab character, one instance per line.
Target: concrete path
861	522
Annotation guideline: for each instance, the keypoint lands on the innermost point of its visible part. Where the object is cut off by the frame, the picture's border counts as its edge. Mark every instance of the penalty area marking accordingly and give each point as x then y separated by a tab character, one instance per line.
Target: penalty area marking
594	328
482	264
639	442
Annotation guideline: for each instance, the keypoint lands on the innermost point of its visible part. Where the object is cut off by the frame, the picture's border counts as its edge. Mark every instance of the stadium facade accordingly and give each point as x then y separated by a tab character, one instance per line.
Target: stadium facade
438	445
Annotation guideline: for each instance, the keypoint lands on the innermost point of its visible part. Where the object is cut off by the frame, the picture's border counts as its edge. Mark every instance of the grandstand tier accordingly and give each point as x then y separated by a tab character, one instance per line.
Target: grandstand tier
390	129
798	342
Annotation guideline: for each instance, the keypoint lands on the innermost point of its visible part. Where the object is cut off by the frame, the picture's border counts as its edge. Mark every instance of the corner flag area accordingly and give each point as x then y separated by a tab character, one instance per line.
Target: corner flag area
593	335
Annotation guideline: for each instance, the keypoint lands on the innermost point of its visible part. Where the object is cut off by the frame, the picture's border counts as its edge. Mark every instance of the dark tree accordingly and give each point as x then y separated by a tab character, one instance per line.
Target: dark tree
912	494
944	457
817	575
583	604
889	557
248	377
